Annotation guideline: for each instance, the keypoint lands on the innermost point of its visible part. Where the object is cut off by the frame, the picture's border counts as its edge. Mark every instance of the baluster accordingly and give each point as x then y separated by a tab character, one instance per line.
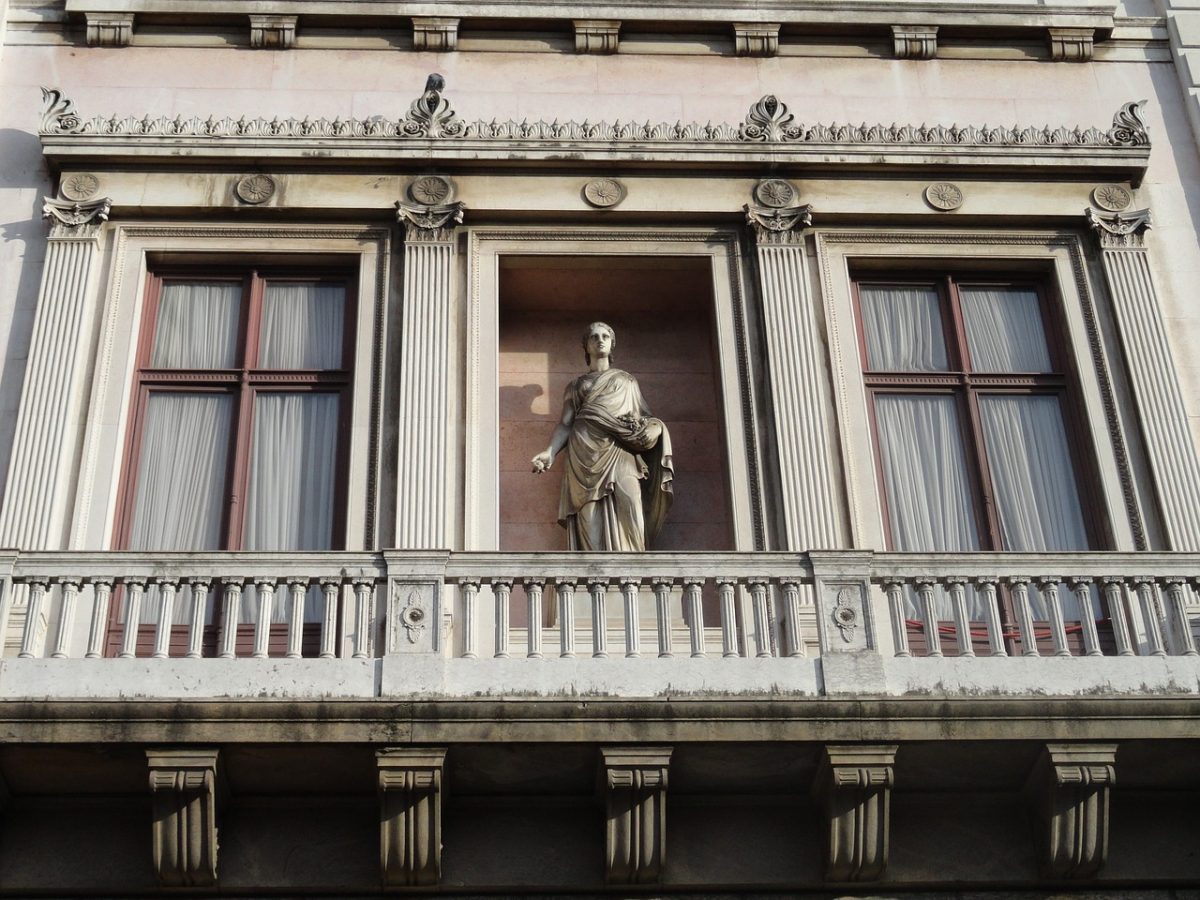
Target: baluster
33	613
662	613
1058	627
759	601
565	586
66	620
693	590
166	615
262	623
1082	588
633	627
894	588
533	602
962	621
230	611
726	591
1185	644
101	594
599	590
470	598
298	589
199	609
134	591
986	585
1146	599
363	620
933	639
791	604
502	591
332	588
1020	593
6	603
1114	598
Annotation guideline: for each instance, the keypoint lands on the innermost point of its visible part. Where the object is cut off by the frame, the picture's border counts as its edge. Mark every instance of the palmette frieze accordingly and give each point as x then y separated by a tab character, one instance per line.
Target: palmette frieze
431	117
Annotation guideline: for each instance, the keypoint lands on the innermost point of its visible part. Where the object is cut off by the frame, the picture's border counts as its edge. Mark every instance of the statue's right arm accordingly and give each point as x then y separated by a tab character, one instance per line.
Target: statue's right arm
558	440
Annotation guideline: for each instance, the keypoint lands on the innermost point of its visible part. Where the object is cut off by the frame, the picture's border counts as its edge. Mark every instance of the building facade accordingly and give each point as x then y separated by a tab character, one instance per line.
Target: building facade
290	294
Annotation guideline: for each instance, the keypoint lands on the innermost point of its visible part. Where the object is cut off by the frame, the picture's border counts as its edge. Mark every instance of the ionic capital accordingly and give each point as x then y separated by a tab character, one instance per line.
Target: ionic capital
775	225
76	218
1120	230
429	224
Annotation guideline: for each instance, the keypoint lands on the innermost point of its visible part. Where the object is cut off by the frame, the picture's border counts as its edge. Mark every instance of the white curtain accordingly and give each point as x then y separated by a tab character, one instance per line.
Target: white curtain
181	476
1004	329
903	329
197	326
289	503
302	326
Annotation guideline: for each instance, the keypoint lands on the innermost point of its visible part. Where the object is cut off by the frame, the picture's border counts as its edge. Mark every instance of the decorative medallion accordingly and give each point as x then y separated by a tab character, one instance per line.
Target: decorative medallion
255	188
431	190
1112	197
775	193
412	616
79	186
604	192
944	196
845	615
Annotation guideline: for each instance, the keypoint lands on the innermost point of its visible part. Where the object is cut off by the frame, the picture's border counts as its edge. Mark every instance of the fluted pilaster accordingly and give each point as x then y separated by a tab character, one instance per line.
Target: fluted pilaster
53	399
1160	408
425	352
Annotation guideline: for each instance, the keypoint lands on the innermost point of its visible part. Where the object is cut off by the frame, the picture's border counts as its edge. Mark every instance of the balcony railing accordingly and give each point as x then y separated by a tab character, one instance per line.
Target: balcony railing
461	624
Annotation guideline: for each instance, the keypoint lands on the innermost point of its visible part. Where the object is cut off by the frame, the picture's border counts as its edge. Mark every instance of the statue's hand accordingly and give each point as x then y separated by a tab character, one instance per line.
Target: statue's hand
542	462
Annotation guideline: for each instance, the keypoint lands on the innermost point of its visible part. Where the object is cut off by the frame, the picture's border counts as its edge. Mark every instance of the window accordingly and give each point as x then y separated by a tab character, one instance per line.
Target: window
972	416
240	415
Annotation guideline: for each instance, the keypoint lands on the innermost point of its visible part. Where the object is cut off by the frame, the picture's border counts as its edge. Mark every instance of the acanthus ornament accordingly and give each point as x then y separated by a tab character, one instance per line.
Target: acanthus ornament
74	217
58	113
1129	125
777	226
944	196
604	192
1112	197
430	114
1120	230
430	223
255	189
79	186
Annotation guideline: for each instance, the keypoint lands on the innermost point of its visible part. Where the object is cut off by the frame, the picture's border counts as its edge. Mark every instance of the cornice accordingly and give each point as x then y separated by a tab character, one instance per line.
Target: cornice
433	130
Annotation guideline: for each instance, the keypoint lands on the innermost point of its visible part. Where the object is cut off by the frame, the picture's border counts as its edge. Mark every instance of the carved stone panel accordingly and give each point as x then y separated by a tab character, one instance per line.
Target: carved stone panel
184	784
410	815
853	791
1069	790
634	783
413	616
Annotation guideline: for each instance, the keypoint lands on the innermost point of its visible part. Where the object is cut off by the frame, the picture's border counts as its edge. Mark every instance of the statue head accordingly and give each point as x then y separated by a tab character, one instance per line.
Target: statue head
592	329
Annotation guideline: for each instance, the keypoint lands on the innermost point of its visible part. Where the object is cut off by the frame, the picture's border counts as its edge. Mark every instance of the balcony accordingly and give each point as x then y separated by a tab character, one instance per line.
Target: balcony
430	624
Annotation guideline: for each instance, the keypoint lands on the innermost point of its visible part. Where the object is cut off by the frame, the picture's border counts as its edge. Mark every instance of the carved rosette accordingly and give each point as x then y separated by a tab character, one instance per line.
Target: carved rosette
634	782
184	787
773	225
410	815
853	790
429	224
1120	230
1070	789
75	218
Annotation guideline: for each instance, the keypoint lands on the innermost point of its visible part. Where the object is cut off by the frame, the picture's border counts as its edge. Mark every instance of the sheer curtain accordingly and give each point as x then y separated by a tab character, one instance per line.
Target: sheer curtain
903	329
302	326
197	326
1004	329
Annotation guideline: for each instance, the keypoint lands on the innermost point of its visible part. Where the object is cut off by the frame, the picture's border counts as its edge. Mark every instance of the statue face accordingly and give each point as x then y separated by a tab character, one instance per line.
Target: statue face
600	341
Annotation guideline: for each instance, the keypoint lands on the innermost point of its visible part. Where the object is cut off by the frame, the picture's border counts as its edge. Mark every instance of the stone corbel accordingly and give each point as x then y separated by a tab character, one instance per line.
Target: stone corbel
634	783
853	790
597	35
437	34
272	32
184	786
410	815
1071	44
1069	789
778	225
109	29
429	224
73	218
756	38
1120	230
914	41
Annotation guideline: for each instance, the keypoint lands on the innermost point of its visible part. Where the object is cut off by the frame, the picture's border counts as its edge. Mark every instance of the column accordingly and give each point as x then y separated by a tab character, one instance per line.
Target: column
634	780
798	370
410	815
1170	448
853	789
1069	789
426	354
184	784
37	500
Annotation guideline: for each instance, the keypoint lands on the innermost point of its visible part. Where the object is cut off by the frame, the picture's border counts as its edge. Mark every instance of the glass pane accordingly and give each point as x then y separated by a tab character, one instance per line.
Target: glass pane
302	326
925	473
181	472
1034	480
1004	328
289	504
197	326
903	328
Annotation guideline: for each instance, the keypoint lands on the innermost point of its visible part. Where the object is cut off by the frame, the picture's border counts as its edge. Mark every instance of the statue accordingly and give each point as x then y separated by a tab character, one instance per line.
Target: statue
616	487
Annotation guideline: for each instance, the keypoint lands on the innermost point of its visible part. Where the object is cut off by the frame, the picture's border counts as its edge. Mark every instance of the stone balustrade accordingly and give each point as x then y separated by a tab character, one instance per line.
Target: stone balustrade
464	624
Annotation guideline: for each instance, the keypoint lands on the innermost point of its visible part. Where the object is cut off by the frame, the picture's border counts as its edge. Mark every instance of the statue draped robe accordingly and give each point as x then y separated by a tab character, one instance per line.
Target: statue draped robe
616	486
